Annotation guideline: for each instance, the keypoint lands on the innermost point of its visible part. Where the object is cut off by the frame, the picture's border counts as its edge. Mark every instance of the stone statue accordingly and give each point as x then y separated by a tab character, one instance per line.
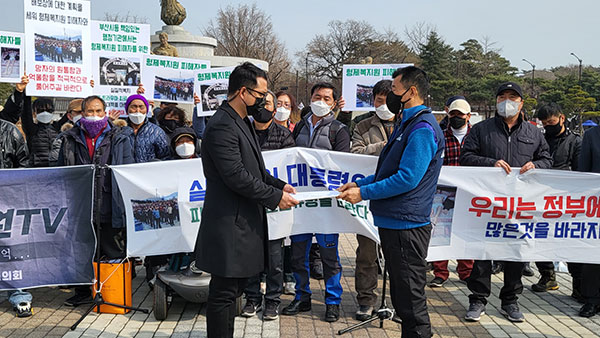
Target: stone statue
172	12
165	48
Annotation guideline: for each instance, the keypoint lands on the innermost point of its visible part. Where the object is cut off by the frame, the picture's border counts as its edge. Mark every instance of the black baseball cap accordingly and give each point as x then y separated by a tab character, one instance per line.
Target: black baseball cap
509	86
454	98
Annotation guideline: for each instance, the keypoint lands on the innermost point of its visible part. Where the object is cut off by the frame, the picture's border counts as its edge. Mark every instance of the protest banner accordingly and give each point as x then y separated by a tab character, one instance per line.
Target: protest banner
170	79
57	48
46	234
118	50
358	82
12	58
211	86
478	213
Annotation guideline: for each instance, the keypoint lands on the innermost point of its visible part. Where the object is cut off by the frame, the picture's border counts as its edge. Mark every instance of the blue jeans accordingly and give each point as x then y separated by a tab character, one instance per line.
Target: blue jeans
19	296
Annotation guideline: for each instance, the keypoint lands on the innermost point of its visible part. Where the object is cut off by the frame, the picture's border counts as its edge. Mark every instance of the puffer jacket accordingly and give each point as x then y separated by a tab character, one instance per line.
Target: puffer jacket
369	137
278	137
150	143
57	144
565	150
490	141
329	134
39	135
13	149
113	149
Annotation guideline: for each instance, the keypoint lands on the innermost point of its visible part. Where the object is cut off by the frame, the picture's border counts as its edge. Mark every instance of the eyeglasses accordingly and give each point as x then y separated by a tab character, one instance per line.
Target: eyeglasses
285	105
261	95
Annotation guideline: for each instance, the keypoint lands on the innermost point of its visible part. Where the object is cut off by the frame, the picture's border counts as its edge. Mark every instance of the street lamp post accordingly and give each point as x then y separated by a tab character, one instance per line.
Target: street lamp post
580	63
532	76
306	78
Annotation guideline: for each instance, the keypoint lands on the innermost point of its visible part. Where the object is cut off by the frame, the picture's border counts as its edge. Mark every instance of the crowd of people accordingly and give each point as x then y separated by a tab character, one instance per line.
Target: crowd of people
402	131
165	89
57	50
155	214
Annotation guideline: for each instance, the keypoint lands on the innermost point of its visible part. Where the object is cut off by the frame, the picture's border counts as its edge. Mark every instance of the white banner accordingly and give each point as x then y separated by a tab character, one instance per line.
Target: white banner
57	49
478	213
171	79
118	50
211	86
12	62
358	82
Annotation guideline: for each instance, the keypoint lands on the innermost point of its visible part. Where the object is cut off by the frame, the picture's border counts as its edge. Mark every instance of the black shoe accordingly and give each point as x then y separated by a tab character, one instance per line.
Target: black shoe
295	307
437	282
527	271
546	283
589	310
79	299
364	312
23	309
316	271
497	268
251	308
332	313
271	311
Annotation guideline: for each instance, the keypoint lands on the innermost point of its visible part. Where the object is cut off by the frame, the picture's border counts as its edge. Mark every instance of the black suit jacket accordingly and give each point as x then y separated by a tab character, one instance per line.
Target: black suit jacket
232	241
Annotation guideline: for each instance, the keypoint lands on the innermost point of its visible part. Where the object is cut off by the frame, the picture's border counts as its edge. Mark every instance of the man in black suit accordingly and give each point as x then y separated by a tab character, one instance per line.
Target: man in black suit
233	236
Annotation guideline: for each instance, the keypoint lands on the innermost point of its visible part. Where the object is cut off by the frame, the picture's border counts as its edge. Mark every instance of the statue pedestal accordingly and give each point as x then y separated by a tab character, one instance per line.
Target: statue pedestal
188	45
200	47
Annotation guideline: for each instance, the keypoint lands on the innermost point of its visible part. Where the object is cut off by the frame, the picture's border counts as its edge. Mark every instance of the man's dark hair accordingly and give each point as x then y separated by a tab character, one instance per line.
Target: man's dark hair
178	112
382	87
325	85
414	76
547	110
91	98
244	75
42	104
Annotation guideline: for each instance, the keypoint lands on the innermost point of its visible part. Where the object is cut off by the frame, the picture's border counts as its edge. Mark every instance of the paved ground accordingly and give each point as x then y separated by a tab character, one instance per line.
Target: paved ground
552	314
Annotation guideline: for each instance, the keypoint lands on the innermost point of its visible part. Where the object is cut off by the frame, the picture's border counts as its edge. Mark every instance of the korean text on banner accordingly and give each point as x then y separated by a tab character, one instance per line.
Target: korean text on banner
118	50
12	61
57	48
46	234
358	82
211	86
171	79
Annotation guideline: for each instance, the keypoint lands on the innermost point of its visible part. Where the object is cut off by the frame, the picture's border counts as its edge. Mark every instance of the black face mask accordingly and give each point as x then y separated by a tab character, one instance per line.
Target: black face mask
395	103
457	122
263	115
553	130
170	125
257	107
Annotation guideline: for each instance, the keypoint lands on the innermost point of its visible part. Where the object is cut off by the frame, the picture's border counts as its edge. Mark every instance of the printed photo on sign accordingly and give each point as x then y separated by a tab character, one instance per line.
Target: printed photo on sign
173	89
442	211
364	95
118	71
156	213
10	62
62	46
213	95
358	82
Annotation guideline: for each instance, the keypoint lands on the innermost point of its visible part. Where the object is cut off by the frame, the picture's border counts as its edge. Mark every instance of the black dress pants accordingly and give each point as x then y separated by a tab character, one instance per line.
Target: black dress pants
221	309
480	282
274	278
590	283
405	252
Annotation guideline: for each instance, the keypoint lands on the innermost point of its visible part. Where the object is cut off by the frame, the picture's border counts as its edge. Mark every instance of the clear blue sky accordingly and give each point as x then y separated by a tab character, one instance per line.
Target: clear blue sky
543	31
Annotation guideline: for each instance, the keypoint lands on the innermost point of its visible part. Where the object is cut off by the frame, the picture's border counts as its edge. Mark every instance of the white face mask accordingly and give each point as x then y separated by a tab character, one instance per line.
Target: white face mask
44	117
384	113
320	108
76	118
185	150
508	108
282	114
137	118
94	118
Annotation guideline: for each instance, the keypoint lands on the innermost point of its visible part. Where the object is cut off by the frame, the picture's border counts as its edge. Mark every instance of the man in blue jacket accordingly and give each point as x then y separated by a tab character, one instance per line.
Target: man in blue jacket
401	193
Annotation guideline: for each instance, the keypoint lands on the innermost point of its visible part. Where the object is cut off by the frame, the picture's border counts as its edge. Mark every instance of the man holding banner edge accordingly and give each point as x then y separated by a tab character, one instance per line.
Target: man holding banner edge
401	191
